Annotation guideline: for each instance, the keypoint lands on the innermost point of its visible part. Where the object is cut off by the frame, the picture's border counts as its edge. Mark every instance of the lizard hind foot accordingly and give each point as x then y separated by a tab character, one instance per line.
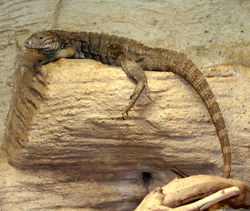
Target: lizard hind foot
135	72
125	115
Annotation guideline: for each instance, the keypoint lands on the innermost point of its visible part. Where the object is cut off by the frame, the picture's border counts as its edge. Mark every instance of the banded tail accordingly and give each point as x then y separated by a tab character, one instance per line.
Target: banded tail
179	64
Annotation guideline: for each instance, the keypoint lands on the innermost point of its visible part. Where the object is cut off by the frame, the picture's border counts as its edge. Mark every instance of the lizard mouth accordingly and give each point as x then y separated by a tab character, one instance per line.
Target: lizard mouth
29	44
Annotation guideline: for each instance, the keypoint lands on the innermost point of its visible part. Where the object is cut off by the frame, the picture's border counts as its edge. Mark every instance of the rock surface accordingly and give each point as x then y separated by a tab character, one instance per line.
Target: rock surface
66	126
210	32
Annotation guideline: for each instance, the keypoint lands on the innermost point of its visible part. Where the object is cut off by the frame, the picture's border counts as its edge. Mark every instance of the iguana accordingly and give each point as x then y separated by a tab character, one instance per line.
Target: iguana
134	58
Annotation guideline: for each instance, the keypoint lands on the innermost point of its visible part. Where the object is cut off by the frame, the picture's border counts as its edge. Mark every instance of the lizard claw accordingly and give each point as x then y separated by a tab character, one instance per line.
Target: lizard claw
37	66
149	97
125	115
147	91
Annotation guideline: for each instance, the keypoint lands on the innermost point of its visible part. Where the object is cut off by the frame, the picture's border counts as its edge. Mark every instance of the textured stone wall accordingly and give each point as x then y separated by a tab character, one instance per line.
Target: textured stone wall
210	32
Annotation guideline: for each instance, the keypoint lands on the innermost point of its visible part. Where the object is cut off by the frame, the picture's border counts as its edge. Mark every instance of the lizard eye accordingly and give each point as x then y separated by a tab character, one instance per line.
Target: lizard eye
41	37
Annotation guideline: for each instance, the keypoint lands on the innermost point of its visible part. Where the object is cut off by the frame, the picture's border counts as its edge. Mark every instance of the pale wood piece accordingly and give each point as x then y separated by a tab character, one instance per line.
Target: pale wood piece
207	190
152	202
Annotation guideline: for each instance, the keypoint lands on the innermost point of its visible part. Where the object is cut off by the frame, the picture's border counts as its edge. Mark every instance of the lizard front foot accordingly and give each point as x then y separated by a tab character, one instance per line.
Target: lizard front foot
37	66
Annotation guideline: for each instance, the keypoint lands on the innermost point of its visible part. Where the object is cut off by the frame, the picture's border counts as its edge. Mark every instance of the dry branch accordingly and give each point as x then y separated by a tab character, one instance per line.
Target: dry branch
208	190
210	200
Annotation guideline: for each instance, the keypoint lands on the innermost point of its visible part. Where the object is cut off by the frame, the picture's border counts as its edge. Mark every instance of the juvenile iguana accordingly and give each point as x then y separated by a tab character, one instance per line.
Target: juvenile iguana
134	58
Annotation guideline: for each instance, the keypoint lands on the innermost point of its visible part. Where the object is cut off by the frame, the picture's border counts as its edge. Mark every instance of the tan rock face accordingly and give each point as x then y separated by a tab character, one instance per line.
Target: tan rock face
66	121
209	32
61	107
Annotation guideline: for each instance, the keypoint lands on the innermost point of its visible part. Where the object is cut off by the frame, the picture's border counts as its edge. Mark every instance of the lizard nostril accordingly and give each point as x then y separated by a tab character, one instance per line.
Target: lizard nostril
27	43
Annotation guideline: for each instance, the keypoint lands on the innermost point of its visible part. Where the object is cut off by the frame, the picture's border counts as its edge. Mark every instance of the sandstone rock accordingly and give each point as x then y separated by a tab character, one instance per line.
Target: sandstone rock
65	126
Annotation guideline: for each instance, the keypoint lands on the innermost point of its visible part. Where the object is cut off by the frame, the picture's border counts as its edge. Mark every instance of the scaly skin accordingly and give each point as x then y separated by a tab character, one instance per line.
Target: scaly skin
134	58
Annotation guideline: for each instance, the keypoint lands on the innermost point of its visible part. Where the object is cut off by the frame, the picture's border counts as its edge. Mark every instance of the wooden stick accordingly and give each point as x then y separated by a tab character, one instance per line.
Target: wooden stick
152	201
210	200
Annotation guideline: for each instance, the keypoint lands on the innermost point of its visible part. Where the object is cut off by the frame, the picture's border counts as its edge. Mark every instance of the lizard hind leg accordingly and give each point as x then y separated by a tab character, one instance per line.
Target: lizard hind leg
134	71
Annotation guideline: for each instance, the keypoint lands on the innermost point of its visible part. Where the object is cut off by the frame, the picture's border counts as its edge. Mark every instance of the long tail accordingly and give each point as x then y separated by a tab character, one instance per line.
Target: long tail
179	64
187	70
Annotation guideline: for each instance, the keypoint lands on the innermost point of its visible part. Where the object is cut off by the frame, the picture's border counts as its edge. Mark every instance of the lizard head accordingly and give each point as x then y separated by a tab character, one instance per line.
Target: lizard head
46	42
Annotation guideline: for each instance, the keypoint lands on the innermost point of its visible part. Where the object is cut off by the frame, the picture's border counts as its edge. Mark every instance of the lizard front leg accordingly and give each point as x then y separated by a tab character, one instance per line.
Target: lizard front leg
67	52
134	71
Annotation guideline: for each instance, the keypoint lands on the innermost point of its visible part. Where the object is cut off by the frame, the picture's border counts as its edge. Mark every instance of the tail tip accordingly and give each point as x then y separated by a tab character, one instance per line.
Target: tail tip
227	170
